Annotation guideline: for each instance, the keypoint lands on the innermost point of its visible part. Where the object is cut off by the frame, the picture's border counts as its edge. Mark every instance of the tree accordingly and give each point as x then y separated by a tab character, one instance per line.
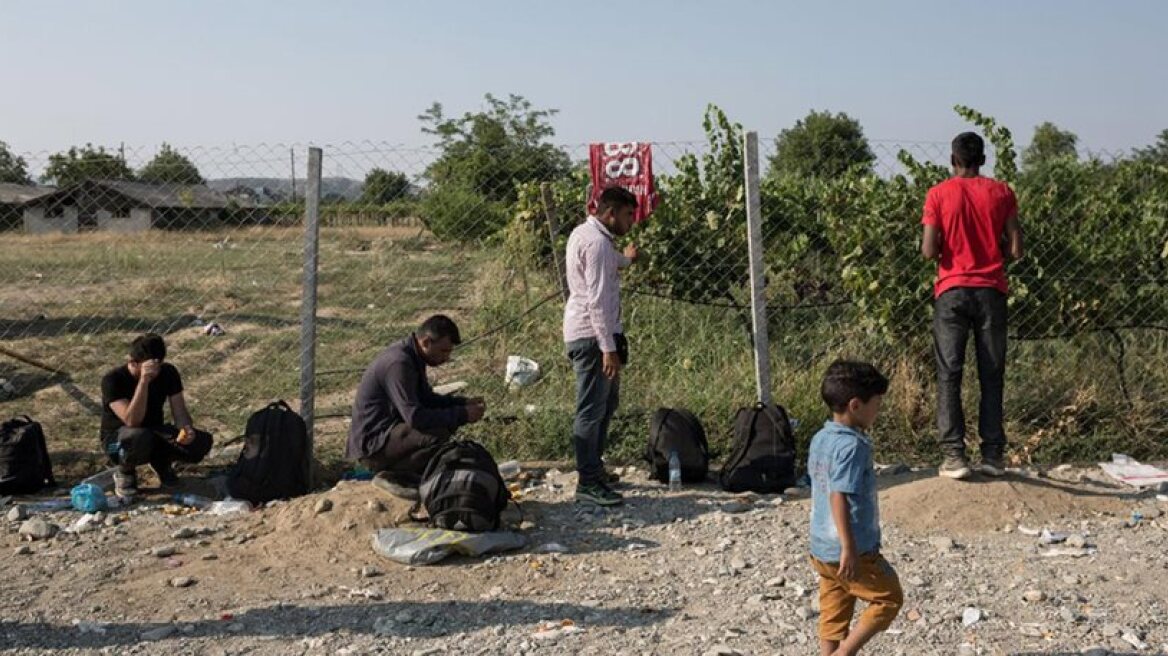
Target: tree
382	187
1050	142
13	169
1157	153
170	167
822	145
492	151
87	163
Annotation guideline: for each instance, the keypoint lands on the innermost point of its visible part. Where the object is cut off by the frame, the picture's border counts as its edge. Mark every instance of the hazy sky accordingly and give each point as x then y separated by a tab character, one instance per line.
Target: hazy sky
220	72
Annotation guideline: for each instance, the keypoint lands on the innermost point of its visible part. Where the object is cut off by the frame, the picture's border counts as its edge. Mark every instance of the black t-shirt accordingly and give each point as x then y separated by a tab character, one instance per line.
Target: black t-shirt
119	383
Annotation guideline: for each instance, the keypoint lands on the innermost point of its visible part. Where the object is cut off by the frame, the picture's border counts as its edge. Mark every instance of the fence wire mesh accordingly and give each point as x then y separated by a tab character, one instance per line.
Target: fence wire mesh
408	232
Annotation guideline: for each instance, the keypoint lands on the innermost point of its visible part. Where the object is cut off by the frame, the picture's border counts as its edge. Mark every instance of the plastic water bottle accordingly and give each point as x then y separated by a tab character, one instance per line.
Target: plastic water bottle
509	469
674	471
193	501
88	498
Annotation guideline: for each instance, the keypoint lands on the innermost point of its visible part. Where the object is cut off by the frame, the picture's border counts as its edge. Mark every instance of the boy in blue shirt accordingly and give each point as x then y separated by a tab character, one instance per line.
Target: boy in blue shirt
845	513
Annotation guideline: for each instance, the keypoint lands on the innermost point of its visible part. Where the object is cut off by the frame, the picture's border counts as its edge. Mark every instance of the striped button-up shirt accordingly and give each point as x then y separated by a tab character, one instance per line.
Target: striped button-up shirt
594	307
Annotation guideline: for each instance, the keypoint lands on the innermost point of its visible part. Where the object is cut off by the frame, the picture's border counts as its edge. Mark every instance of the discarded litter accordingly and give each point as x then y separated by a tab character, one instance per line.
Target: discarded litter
49	505
85	523
553	547
1127	470
553	630
521	371
509	469
104	480
229	506
416	546
1051	538
88	498
214	330
193	501
1032	532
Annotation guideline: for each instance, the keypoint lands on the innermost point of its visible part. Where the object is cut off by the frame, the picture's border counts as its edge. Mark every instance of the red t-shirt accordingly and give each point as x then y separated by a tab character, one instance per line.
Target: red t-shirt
971	215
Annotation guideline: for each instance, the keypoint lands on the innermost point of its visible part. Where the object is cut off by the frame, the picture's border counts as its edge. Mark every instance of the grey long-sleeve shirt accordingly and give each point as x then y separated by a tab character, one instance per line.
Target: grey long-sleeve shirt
394	390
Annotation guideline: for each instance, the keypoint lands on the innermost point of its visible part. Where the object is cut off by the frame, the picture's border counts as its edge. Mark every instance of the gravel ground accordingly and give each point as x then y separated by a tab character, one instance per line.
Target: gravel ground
693	572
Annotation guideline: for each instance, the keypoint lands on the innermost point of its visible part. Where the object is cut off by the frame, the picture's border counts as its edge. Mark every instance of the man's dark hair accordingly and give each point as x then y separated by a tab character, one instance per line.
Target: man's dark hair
615	198
969	150
148	347
439	326
847	379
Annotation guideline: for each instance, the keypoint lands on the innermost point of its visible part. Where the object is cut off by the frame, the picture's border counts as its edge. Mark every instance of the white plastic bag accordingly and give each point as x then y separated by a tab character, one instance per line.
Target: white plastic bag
425	546
521	371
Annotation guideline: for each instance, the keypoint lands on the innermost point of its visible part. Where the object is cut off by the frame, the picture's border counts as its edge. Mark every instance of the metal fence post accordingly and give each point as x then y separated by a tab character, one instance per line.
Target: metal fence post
762	361
549	208
308	297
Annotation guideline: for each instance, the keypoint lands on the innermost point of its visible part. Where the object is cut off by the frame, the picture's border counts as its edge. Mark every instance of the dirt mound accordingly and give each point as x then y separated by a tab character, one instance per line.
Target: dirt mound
935	505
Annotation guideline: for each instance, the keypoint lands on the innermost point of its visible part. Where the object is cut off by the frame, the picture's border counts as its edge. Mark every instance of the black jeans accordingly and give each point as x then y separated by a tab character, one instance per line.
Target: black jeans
959	311
157	446
597	398
406	453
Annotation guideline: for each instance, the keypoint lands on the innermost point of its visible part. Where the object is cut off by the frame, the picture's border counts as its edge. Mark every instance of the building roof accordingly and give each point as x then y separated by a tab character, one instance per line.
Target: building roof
180	196
18	194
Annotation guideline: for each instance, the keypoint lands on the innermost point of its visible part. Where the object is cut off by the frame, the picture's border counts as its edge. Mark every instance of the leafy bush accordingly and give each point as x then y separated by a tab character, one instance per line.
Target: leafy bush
457	212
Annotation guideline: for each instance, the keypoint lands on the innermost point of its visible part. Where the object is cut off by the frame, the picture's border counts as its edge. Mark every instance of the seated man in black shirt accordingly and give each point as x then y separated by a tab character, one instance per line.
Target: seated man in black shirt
132	428
398	420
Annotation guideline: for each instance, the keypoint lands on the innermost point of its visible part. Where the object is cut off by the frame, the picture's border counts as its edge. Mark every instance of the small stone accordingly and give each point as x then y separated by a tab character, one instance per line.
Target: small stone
164	551
1034	596
1111	630
970	616
776	582
181	582
913	615
943	543
161	633
1076	541
23	550
38	529
804	613
916	581
1068	615
369	572
1032	630
184	533
527	525
323	506
17	514
737	563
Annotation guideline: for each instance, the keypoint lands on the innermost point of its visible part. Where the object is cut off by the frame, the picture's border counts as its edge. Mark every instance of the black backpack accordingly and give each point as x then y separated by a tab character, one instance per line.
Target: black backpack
24	458
276	462
677	430
763	459
462	489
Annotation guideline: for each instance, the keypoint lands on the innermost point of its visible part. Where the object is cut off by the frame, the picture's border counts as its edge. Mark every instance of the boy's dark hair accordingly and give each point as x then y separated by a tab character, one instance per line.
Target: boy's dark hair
148	347
615	198
847	379
439	326
969	150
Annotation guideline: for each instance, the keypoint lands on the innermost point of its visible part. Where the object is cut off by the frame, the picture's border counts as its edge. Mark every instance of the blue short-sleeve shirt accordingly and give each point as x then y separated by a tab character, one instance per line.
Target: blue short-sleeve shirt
841	461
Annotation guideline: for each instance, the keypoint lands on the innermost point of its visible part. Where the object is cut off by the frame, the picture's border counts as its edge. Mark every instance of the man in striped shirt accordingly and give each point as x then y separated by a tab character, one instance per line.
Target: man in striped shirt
594	336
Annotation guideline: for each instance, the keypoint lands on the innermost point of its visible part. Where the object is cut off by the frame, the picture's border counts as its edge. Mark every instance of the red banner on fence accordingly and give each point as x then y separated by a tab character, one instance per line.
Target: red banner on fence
628	165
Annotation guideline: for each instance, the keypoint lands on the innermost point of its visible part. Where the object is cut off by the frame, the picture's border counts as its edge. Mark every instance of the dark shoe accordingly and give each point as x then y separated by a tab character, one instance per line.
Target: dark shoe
166	475
126	483
955	467
599	494
992	466
383	482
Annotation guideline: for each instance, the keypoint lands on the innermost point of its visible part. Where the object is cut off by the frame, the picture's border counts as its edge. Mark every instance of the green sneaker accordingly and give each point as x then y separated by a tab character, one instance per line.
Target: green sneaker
598	494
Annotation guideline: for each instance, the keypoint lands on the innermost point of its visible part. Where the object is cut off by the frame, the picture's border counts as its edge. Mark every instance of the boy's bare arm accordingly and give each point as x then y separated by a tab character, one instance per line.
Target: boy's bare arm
843	526
1014	239
931	243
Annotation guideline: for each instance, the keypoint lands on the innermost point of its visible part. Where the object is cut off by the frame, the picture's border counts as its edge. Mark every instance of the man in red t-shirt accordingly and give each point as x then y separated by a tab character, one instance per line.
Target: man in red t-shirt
965	221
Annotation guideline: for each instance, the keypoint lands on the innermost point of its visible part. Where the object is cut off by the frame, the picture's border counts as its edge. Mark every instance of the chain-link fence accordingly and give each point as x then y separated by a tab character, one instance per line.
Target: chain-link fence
145	242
